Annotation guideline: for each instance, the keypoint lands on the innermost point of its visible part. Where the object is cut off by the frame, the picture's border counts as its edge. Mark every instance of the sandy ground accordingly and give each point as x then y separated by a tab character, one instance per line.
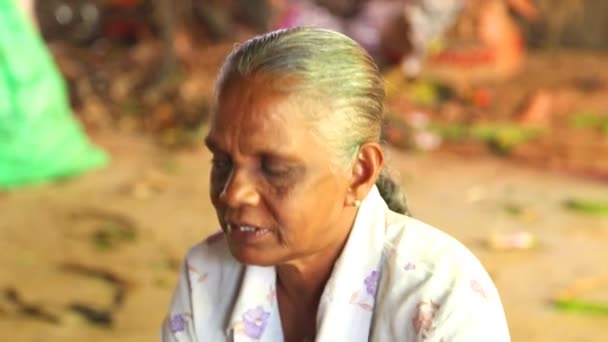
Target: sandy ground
164	197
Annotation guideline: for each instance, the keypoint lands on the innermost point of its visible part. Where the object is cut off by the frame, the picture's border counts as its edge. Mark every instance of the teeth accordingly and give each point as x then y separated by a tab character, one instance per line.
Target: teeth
247	229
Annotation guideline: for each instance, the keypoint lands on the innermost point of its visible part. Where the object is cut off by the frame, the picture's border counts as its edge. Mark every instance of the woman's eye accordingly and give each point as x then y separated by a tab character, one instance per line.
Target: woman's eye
274	169
221	164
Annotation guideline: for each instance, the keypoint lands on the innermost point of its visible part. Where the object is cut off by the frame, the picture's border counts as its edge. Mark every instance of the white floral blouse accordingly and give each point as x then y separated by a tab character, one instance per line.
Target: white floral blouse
397	279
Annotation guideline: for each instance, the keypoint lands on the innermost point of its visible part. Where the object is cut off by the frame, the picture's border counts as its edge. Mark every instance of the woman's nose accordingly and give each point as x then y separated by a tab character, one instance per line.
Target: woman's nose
239	190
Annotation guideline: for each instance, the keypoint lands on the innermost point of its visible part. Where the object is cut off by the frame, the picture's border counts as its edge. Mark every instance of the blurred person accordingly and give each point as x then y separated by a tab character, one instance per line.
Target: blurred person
316	243
367	22
405	32
427	21
394	31
486	43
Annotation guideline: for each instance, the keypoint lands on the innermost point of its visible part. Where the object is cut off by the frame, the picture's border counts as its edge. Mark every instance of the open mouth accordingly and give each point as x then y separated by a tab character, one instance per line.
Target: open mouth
246	233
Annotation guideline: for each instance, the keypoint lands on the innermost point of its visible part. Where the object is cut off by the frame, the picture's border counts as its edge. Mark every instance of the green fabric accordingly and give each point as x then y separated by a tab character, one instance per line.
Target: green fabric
39	138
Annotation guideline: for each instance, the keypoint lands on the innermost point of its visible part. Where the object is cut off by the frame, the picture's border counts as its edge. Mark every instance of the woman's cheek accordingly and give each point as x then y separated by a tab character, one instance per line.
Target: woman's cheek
217	183
285	186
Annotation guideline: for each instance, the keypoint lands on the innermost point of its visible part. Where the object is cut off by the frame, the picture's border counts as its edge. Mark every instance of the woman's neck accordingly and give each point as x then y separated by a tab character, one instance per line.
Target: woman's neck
299	290
304	282
300	285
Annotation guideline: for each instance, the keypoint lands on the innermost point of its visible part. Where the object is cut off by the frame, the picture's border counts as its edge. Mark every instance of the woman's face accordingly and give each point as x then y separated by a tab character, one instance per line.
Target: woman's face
276	195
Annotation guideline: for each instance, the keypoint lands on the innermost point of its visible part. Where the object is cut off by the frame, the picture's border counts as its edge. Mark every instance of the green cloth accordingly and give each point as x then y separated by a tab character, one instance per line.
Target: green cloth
39	138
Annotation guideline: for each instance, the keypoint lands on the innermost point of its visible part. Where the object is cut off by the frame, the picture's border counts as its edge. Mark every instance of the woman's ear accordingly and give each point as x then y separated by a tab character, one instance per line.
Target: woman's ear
365	171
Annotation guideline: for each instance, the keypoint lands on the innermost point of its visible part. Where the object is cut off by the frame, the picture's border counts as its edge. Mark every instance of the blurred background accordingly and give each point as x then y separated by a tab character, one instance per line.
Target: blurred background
497	127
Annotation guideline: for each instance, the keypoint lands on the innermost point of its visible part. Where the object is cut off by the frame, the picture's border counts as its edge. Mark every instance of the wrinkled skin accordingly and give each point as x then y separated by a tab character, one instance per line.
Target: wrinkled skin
269	171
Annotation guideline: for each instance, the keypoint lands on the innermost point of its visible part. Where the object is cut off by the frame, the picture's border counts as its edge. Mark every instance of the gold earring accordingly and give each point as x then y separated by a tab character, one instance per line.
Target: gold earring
357	203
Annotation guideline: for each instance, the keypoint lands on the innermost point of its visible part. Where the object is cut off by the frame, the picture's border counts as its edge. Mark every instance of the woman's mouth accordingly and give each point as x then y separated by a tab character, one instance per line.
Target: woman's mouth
244	233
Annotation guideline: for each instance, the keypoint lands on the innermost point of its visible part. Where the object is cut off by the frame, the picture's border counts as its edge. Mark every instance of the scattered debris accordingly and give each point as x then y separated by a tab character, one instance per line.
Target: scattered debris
581	306
590	121
475	194
586	206
92	315
589	84
108	236
538	110
427	141
499	137
108	229
520	211
121	283
519	240
503	137
151	182
30	310
570	299
99	316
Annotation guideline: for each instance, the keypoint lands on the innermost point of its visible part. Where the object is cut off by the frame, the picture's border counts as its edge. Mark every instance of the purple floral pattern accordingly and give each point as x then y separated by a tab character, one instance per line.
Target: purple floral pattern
365	298
409	266
478	288
371	283
255	321
177	323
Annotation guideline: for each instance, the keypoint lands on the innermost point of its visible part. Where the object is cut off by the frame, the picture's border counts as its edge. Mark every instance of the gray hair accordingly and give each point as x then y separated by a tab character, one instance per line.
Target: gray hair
330	66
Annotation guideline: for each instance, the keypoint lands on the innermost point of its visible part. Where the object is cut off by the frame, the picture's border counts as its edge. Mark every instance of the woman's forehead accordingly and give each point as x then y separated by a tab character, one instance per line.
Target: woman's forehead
259	123
258	112
252	132
265	105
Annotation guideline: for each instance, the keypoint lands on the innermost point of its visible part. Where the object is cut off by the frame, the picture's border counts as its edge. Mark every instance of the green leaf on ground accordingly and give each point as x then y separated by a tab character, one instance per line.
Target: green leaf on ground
581	306
451	132
588	120
585	120
587	206
501	137
504	137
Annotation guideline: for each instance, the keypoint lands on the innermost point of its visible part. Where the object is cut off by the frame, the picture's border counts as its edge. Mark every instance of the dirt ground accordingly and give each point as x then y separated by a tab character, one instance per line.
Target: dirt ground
79	243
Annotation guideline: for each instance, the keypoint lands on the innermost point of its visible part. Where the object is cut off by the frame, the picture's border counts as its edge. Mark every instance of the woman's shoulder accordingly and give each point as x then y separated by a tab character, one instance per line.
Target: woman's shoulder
421	257
436	286
208	281
412	241
211	252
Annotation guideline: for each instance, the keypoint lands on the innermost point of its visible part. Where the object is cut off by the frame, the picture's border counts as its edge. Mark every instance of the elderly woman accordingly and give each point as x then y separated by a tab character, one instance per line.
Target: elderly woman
315	244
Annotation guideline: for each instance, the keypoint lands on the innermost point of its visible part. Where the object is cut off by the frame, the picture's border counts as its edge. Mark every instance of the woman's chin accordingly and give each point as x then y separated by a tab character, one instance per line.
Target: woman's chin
249	256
